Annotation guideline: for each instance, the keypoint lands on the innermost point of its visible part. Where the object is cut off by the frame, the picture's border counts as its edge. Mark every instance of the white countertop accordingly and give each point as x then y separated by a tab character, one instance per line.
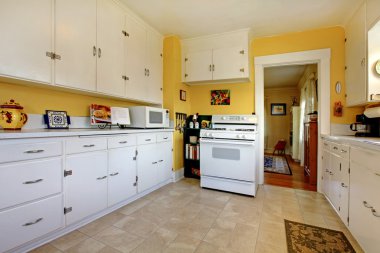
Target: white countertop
365	142
41	133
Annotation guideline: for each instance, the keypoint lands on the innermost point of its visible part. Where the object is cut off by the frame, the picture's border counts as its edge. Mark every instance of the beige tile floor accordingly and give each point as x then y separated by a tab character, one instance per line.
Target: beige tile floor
181	217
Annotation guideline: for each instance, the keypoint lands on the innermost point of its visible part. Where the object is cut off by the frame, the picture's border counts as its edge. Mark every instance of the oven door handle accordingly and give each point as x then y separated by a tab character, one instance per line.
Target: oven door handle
213	141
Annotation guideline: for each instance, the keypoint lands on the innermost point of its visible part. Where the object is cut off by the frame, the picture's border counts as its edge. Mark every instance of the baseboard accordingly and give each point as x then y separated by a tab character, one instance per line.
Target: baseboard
178	174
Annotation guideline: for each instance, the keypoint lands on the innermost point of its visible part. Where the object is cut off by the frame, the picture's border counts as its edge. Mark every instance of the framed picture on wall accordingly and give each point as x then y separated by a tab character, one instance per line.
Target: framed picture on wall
182	95
277	109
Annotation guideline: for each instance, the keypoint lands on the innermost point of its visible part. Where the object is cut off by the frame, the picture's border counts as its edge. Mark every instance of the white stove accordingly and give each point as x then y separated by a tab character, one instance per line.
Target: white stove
228	154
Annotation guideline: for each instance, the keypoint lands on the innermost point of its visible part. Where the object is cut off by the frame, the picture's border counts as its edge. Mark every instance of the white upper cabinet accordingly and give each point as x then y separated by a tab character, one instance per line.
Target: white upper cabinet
111	36
216	59
356	88
229	63
198	66
155	68
374	62
135	59
143	56
26	37
75	43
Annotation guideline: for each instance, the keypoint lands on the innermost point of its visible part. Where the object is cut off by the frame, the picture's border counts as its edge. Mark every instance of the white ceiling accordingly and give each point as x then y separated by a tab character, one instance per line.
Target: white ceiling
192	18
283	76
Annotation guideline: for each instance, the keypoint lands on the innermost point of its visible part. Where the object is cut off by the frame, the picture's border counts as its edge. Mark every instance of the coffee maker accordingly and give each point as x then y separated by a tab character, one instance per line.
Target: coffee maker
366	127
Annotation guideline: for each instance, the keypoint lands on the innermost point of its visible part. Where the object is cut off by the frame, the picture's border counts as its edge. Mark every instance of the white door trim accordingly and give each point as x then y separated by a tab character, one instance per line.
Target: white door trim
320	57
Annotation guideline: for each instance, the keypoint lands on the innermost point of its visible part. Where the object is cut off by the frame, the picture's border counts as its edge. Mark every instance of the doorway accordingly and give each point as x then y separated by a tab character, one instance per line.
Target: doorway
290	89
320	57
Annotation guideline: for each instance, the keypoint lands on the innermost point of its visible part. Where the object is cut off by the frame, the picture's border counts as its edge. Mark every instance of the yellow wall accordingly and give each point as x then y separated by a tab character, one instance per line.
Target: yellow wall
172	87
278	127
242	95
332	38
36	100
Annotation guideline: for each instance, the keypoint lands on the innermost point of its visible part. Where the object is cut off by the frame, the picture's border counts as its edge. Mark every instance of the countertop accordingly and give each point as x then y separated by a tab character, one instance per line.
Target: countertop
41	133
365	142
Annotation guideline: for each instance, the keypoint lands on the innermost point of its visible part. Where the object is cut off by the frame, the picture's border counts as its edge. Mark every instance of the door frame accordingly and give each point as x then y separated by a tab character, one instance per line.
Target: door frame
321	57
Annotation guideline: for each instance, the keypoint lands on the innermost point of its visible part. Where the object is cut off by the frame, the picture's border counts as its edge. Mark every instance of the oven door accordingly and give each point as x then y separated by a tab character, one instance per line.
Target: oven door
232	159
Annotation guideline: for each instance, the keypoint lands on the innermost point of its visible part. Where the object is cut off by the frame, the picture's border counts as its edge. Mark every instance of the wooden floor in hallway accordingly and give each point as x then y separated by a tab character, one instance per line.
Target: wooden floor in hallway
296	181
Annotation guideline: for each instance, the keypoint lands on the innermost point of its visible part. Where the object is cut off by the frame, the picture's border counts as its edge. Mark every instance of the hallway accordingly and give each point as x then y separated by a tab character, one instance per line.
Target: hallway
295	181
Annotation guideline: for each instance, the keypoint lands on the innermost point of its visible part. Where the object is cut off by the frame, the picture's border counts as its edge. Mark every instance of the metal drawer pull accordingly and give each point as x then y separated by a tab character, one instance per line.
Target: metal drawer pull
166	138
160	161
343	185
331	173
101	178
154	162
33	182
335	148
377	174
365	203
33	222
123	142
34	151
375	213
89	146
327	170
114	174
148	139
343	151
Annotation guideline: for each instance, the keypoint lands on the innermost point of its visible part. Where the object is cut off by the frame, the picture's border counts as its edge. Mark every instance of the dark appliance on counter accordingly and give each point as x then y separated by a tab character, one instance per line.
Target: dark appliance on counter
366	127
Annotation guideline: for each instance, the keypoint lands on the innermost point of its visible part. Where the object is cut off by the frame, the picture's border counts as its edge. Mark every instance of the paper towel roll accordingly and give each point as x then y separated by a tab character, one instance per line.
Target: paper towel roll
373	112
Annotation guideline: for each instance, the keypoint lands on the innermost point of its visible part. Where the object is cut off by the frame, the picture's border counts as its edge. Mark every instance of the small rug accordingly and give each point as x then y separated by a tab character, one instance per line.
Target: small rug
311	239
276	164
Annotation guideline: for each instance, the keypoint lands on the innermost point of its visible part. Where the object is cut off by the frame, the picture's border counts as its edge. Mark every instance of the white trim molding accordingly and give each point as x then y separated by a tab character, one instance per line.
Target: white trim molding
320	57
178	175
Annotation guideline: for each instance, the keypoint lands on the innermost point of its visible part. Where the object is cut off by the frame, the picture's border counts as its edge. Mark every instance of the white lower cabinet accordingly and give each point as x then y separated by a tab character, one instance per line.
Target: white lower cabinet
49	185
85	185
147	166
336	177
364	198
25	223
121	174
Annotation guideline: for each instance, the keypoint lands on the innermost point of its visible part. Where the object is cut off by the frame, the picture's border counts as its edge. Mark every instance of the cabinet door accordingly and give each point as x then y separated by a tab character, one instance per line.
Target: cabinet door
26	36
75	42
121	174
165	161
326	172
364	225
198	66
356	87
135	60
343	189
147	166
334	187
111	42
86	188
154	61
230	63
373	81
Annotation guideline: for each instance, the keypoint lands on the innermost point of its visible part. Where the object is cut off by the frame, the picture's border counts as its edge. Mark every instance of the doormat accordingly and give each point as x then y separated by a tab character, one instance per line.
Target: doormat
311	239
276	164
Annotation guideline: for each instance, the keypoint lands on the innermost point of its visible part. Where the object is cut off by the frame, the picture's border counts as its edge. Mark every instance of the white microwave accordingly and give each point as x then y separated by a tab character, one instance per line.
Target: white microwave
148	117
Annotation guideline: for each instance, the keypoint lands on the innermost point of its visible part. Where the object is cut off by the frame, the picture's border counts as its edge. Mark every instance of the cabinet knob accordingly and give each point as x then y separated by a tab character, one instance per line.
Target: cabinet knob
34	181
99	52
343	185
114	174
365	203
32	222
375	213
101	178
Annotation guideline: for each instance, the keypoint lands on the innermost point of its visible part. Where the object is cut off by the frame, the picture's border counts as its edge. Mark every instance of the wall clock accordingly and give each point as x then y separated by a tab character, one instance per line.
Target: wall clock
377	67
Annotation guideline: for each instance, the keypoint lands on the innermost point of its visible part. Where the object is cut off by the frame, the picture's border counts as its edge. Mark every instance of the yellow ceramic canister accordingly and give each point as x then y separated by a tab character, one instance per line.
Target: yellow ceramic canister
11	116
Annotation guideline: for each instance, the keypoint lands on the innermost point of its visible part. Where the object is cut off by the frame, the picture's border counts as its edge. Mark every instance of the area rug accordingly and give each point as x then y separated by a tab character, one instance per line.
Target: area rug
311	239
276	164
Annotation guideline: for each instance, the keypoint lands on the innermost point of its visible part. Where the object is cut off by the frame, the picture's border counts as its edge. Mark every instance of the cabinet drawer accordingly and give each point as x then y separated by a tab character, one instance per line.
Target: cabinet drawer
163	137
369	159
122	141
146	139
25	223
25	151
29	180
326	145
80	145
